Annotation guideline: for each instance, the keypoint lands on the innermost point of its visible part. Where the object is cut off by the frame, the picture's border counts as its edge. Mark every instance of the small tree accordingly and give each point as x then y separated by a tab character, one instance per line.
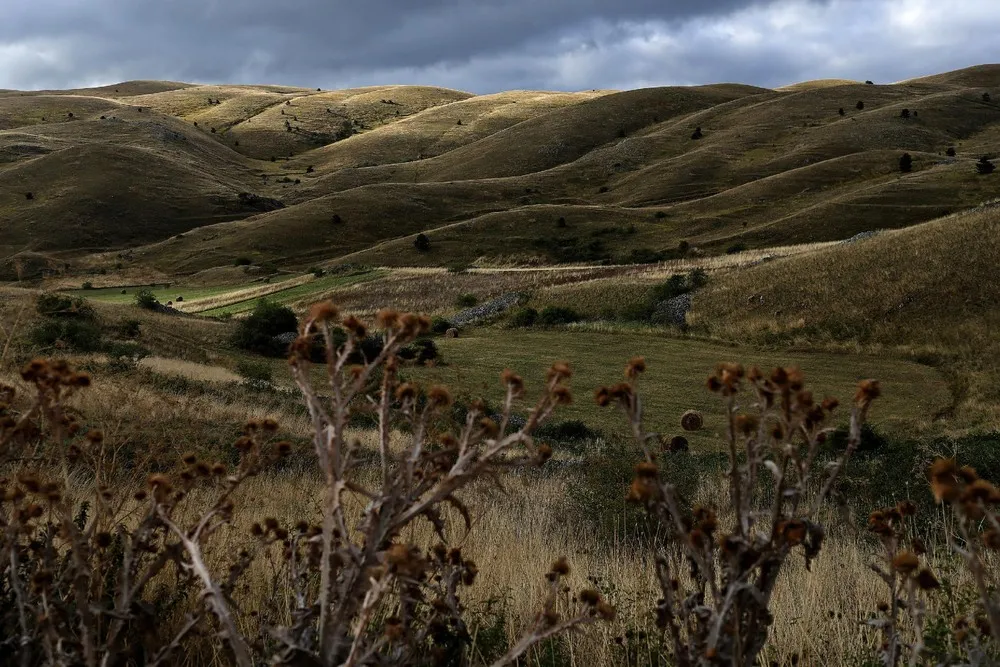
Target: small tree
422	243
697	134
984	166
29	195
905	113
860	105
841	111
146	299
906	163
950	152
257	332
986	97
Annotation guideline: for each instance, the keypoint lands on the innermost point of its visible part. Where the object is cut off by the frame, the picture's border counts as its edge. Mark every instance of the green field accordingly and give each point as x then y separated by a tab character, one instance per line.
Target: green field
675	381
314	288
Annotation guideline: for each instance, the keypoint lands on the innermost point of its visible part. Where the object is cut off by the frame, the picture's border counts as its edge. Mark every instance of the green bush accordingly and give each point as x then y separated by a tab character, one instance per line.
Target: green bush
124	356
256	332
60	306
88	285
440	325
466	301
254	371
523	317
553	315
146	299
74	334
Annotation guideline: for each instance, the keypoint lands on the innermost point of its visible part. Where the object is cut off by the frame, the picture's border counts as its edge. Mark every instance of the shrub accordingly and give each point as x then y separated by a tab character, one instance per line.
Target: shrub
735	248
561	222
50	304
870	83
79	335
440	325
242	261
905	113
316	271
255	372
986	97
422	243
950	152
841	111
555	315
257	331
87	285
466	301
697	134
29	195
523	317
906	163
420	351
146	299
984	166
683	247
860	105
129	328
124	357
336	219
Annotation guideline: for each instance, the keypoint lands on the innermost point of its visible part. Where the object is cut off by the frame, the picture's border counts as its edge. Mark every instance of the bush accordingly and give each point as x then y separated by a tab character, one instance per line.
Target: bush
984	166
697	134
146	299
422	243
523	317
466	301
439	325
420	351
257	331
841	111
59	306
316	271
87	285
735	248
986	97
860	105
555	315
906	163
125	357
905	113
950	152
129	328
79	335
243	261
255	372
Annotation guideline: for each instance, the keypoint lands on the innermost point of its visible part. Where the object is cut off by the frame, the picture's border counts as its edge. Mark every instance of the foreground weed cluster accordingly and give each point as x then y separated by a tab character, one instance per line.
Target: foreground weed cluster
78	573
100	568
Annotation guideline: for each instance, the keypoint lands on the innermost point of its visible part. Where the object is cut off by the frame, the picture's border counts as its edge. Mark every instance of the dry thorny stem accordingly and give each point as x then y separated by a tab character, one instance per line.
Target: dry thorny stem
78	573
718	612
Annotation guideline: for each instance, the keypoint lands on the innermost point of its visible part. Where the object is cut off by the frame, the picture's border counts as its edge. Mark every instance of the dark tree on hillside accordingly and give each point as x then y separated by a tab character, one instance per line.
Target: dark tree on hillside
29	195
422	243
337	219
906	163
870	83
841	111
860	105
697	134
986	97
905	113
950	152
984	166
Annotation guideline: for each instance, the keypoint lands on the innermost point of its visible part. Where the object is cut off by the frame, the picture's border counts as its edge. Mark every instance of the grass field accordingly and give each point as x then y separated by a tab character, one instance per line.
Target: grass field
675	379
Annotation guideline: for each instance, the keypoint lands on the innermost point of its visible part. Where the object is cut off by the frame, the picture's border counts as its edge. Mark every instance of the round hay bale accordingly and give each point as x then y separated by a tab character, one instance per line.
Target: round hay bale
180	299
692	421
451	333
678	443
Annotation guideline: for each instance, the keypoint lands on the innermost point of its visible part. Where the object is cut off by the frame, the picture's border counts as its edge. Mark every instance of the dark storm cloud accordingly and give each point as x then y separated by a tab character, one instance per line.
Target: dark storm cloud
485	46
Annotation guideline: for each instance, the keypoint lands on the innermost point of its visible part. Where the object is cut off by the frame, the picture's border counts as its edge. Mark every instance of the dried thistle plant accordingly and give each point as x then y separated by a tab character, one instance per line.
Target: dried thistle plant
717	581
77	573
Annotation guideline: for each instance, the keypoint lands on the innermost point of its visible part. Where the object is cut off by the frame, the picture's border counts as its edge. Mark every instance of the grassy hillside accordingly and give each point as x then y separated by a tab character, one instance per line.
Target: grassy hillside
928	292
486	177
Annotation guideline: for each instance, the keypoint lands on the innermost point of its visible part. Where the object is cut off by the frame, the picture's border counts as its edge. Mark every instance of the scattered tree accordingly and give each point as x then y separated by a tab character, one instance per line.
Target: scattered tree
683	247
310	169
561	222
337	219
870	83
986	97
257	331
146	299
697	134
459	121
905	113
860	105
950	152
906	163
984	166
841	111
422	243
29	195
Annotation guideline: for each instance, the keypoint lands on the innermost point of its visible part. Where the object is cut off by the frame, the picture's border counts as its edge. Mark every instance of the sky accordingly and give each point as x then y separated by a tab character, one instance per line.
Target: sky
484	46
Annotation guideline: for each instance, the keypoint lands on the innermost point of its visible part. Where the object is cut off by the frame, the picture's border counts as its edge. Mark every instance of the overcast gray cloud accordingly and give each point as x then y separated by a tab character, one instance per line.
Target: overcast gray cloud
485	46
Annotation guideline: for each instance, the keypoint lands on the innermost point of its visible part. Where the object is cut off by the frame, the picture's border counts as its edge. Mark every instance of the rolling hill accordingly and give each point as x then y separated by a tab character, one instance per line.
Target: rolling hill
190	177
